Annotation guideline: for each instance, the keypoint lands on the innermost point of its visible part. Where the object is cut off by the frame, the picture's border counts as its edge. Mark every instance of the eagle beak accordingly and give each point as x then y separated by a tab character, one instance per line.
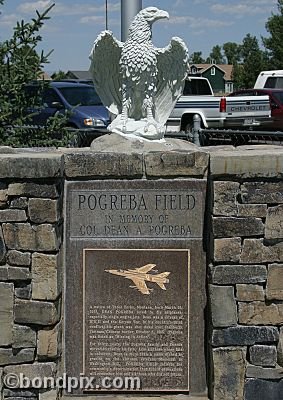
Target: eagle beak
162	14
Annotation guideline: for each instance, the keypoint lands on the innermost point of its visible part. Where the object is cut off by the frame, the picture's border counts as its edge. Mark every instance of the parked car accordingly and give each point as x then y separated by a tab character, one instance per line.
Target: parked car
276	105
86	111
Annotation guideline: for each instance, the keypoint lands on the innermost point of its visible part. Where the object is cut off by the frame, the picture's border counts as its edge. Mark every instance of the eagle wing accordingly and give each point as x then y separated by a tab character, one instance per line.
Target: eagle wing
104	67
172	67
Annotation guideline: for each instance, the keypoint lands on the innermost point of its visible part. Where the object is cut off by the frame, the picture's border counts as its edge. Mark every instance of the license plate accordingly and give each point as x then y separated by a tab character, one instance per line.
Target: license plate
250	121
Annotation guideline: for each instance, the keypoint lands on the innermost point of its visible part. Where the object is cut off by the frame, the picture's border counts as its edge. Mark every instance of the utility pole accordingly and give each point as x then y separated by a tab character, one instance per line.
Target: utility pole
129	9
106	15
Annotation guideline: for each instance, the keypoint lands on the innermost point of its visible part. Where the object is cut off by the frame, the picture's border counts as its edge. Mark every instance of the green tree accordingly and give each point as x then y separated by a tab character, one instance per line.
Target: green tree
19	64
237	76
216	55
196	58
57	76
274	43
253	60
232	52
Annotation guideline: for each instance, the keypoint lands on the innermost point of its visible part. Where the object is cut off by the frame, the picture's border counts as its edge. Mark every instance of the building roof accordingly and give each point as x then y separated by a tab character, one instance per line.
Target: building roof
79	74
226	68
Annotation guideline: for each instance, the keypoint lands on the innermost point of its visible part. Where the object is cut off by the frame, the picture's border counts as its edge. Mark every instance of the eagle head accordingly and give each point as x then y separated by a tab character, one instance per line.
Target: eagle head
152	14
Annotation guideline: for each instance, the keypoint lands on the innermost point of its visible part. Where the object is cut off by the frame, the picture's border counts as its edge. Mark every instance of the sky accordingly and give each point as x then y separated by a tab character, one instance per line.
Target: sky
75	24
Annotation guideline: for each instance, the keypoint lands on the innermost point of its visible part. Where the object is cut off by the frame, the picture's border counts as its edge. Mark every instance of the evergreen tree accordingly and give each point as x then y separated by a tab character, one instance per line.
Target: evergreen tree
253	60
20	64
196	58
216	55
274	43
232	52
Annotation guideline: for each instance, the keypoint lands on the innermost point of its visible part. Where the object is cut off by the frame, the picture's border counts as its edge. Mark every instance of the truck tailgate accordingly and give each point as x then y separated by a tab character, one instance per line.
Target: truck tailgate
252	106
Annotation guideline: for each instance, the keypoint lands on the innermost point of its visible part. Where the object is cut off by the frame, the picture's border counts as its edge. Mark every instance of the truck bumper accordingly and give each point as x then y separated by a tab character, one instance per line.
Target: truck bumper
247	123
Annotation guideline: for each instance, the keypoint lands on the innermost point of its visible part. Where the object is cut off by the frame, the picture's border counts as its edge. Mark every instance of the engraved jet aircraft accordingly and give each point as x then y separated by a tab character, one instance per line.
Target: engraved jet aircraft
140	275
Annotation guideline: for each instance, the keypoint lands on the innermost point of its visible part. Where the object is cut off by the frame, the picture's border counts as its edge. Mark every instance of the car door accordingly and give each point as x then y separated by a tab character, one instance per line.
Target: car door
51	102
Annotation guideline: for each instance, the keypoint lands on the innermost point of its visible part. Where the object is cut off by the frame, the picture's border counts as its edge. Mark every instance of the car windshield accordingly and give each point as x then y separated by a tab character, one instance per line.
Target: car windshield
279	96
82	96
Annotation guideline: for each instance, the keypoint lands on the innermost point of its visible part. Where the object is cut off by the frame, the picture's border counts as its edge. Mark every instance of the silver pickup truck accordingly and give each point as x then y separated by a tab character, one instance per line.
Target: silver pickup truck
245	112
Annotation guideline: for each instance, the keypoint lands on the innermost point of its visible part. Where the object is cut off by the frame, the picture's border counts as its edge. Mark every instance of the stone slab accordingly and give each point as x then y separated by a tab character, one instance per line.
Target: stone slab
231	274
223	306
256	251
250	292
241	226
257	372
259	389
225	197
44	237
31	165
8	356
91	164
264	356
23	337
6	313
262	192
229	367
227	249
274	223
259	313
44	277
178	163
89	256
136	209
35	370
244	335
30	189
274	289
43	210
250	162
36	312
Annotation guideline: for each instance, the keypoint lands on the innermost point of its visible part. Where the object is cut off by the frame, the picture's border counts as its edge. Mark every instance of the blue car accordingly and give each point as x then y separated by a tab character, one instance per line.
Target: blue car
86	111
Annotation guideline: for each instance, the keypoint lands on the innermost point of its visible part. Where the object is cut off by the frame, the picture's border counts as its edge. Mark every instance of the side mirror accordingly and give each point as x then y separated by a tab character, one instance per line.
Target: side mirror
57	105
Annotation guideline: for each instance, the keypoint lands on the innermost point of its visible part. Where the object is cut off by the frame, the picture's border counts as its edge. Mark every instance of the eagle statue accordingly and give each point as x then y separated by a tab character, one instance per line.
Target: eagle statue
137	82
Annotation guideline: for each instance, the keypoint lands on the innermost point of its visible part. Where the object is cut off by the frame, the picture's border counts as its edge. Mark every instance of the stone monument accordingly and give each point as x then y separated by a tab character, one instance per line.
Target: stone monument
135	265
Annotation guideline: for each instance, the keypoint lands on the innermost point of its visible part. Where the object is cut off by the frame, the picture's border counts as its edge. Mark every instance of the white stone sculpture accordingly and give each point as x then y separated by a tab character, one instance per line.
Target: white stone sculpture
136	81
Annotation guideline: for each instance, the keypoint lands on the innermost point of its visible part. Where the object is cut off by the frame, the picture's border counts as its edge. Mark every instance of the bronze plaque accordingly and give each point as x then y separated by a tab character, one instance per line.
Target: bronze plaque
147	335
135	283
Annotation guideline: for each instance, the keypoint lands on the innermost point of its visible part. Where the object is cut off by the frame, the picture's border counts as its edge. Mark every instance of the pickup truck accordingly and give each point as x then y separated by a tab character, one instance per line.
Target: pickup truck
270	80
243	112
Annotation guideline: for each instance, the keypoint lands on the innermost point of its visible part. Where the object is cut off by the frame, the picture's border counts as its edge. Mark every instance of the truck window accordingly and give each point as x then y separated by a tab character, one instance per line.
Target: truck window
196	87
274	82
